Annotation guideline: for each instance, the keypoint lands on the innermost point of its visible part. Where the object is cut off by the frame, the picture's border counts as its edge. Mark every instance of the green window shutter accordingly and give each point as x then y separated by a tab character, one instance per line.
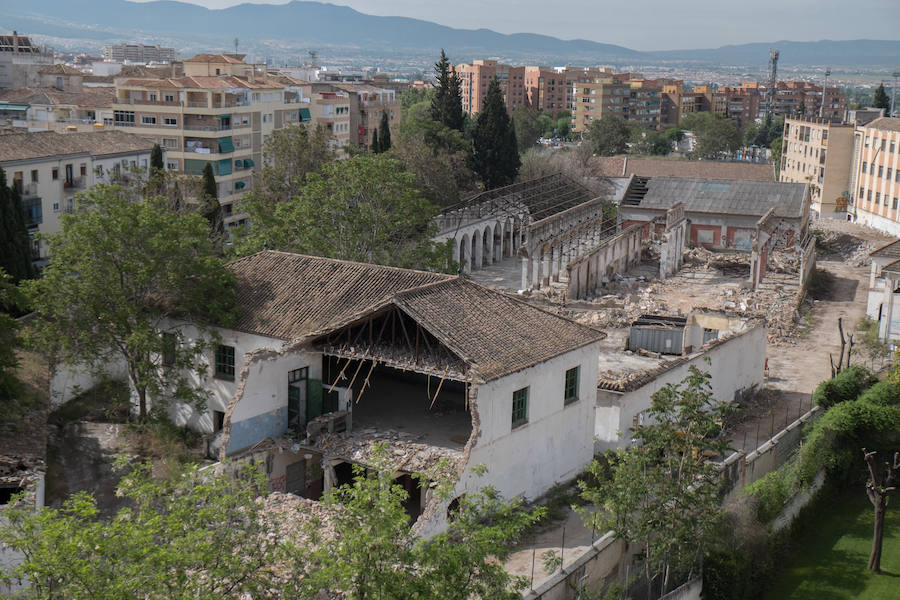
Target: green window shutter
304	115
520	407
224	167
239	185
238	164
248	162
570	390
226	146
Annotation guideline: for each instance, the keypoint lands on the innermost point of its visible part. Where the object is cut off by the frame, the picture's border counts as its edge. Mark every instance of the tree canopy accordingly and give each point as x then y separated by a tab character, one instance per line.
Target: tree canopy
121	270
15	244
209	204
881	99
763	133
609	136
527	126
714	134
10	386
442	176
446	104
156	158
366	208
663	494
495	150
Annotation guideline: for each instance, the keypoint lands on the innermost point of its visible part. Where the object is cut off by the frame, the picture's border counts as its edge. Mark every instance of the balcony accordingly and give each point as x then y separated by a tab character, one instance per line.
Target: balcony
75	183
29	190
144	102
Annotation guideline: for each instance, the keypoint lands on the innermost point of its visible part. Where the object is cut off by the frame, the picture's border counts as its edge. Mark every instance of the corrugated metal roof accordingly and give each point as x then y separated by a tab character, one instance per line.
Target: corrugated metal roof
752	198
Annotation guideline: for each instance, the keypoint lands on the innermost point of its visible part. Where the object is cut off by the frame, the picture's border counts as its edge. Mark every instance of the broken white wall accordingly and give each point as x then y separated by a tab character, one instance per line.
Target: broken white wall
68	381
553	446
736	366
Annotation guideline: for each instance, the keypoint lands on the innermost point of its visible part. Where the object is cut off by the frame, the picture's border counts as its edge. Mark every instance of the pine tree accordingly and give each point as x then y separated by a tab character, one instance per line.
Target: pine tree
156	158
881	99
446	105
496	155
15	245
212	210
385	136
376	146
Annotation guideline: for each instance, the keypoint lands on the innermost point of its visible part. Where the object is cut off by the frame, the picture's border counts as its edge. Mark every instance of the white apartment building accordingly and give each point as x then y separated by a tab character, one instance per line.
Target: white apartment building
876	174
49	168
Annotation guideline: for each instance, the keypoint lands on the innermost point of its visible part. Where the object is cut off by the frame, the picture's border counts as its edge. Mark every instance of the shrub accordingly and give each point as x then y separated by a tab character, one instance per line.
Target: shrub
883	392
846	385
773	491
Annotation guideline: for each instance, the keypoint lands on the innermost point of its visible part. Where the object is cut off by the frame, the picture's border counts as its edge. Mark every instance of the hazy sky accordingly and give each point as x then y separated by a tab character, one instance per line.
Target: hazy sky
650	24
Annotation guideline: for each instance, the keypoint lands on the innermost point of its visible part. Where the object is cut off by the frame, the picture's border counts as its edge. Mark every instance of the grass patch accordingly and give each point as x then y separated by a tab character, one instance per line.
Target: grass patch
832	554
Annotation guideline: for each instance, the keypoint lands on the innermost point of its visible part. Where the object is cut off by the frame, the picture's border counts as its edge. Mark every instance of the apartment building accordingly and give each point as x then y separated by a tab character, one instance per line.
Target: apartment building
138	53
596	94
819	152
545	89
21	61
49	168
222	118
875	174
367	104
476	77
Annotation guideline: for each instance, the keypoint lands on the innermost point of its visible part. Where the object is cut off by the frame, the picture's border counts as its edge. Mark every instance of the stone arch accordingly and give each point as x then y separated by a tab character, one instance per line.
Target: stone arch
487	245
497	240
465	254
475	260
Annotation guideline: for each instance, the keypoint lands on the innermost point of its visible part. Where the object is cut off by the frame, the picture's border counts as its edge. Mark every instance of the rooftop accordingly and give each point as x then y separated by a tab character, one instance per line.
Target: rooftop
60	69
753	198
885	124
621	166
234	59
43	144
200	82
89	97
291	296
890	250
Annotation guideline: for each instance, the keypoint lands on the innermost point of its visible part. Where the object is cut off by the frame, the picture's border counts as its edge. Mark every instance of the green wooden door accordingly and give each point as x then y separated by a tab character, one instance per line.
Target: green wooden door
314	406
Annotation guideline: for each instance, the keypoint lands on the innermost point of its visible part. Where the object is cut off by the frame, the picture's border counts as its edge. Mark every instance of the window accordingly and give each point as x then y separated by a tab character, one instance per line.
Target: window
34	176
225	362
893	145
520	407
55	174
56	207
890	173
894	205
218	419
865	167
169	344
170	121
83	169
148	120
570	390
877	198
169	97
172	166
881	170
869	196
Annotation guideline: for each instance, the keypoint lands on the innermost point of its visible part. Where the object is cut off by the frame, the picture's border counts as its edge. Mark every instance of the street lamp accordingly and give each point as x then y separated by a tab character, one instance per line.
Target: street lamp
894	94
824	83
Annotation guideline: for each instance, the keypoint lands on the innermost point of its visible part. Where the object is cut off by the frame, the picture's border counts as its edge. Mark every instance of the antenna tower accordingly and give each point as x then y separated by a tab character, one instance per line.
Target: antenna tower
236	45
773	75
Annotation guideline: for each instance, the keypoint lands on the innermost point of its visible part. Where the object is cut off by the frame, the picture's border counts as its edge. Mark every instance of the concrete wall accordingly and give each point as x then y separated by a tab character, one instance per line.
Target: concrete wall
68	381
736	366
614	255
553	446
601	562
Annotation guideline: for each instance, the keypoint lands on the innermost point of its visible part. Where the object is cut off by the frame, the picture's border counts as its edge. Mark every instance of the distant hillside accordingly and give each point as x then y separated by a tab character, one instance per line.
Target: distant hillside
316	25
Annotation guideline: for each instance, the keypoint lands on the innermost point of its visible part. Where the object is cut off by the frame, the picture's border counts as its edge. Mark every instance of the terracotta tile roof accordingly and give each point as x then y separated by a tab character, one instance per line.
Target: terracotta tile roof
199	82
287	296
885	124
616	166
234	59
27	146
61	69
291	296
889	250
100	97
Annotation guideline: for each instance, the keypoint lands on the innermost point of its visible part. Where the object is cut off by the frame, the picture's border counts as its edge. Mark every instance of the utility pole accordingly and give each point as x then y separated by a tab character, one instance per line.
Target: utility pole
236	45
824	84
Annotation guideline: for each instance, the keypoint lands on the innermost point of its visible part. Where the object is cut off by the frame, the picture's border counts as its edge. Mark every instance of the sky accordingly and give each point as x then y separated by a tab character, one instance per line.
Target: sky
649	24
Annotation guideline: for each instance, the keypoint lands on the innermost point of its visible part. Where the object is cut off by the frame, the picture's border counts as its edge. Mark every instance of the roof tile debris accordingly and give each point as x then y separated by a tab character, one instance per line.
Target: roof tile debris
43	144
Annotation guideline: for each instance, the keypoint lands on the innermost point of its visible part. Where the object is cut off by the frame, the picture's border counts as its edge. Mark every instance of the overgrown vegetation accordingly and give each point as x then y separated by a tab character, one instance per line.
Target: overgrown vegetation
846	385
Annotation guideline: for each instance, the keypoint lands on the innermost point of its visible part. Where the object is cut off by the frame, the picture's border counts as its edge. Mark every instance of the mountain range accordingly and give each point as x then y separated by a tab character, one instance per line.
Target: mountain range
268	29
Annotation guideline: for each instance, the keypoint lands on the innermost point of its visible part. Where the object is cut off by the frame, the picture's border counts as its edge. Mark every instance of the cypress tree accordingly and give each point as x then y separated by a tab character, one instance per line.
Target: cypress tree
446	105
881	100
376	146
442	74
385	137
496	155
454	118
156	158
212	210
15	244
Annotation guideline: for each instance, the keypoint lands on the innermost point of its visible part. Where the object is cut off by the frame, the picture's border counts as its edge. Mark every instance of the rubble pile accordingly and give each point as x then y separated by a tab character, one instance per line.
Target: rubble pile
850	242
289	517
406	453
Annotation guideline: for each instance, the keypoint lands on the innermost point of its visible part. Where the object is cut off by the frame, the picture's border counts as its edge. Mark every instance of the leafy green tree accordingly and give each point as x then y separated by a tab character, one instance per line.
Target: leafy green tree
663	493
366	208
291	153
197	536
496	154
418	122
411	96
156	158
674	134
714	134
846	385
446	104
653	143
528	127
776	154
563	124
15	245
10	386
763	133
881	99
210	207
609	136
121	272
442	176
385	133
374	554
